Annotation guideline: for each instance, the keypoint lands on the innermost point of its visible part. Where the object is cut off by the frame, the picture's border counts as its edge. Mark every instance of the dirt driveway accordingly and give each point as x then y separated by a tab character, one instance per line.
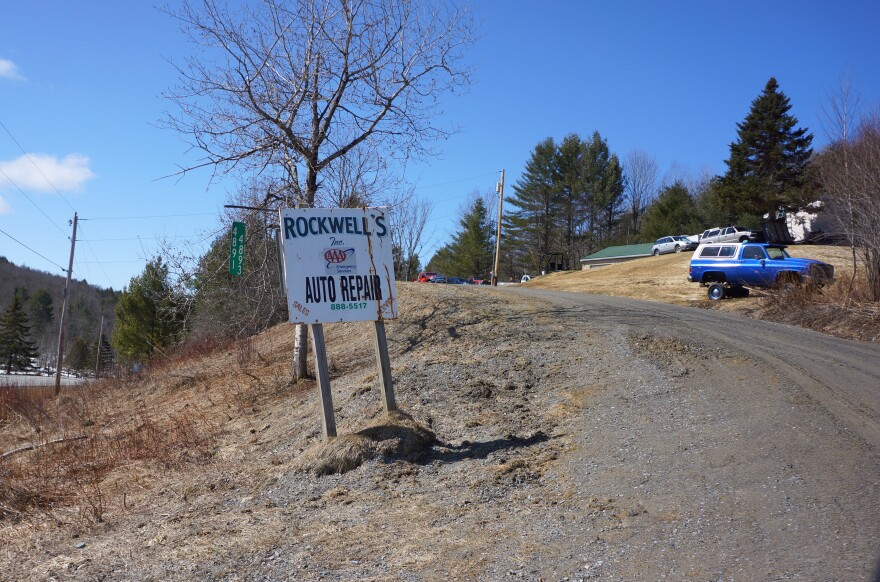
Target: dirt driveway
578	437
743	449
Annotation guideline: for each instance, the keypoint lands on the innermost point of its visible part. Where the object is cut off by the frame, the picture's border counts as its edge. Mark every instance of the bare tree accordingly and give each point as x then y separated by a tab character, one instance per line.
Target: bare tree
849	171
287	88
865	170
641	173
841	116
408	218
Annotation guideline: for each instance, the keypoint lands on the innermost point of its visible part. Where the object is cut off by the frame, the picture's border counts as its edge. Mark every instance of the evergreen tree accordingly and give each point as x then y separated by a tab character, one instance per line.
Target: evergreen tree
767	164
17	351
105	354
608	186
573	182
673	212
236	306
531	225
470	254
41	309
568	202
80	356
148	316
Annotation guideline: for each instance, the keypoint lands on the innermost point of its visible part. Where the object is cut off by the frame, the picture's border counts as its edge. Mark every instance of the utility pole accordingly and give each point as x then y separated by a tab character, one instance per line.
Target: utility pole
59	360
499	187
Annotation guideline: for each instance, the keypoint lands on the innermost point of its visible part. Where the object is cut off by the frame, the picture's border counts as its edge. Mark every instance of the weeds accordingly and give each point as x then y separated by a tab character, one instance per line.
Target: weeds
76	440
837	310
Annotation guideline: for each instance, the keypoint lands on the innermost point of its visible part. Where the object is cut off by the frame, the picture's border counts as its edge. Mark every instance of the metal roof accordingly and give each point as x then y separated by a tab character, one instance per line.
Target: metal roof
621	251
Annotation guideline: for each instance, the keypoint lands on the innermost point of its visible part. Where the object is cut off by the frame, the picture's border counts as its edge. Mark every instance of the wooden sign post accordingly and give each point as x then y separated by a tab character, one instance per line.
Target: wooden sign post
338	267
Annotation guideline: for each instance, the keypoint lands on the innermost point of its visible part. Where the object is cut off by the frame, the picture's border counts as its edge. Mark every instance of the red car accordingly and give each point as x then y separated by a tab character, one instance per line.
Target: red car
425	276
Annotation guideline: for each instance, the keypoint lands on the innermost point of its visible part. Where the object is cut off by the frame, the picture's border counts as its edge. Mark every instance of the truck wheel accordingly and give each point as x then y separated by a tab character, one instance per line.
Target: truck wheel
677	249
716	291
788	282
656	252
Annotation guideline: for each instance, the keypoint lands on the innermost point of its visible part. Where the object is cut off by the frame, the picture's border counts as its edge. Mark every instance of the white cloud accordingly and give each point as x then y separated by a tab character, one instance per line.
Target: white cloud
45	173
9	70
5	208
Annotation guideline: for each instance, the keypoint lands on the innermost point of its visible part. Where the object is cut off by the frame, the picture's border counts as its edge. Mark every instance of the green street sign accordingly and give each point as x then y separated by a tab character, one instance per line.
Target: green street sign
236	250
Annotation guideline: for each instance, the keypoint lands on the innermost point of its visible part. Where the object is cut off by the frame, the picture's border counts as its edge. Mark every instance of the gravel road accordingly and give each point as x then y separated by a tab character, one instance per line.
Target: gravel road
757	442
578	437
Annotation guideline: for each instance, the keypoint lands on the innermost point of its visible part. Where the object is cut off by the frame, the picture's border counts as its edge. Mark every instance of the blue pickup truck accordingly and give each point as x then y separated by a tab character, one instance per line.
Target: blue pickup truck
728	269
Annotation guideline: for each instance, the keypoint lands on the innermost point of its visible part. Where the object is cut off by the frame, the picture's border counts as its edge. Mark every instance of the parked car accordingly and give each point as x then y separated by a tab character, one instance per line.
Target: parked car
709	234
726	234
729	268
456	281
437	279
671	244
425	276
476	281
691	242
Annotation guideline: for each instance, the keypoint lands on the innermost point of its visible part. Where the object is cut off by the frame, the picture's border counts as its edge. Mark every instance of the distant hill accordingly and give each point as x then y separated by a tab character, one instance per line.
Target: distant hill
41	293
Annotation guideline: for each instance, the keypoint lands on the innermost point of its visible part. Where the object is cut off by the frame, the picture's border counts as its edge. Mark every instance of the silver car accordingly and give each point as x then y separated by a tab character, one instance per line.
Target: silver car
671	244
726	234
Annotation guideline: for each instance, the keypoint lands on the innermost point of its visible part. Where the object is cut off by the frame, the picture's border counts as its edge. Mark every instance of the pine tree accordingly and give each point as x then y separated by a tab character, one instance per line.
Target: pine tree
531	225
607	186
673	212
148	317
470	254
568	202
767	164
16	349
80	356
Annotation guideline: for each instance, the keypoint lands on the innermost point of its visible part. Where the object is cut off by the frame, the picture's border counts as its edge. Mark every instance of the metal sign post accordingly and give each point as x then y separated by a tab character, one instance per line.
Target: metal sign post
338	267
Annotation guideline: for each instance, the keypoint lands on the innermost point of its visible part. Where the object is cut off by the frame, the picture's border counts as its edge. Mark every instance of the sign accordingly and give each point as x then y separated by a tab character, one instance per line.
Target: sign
338	265
236	250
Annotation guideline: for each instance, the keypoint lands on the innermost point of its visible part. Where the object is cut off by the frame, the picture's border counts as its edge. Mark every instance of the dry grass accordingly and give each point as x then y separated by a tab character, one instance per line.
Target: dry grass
78	458
68	445
394	436
59	452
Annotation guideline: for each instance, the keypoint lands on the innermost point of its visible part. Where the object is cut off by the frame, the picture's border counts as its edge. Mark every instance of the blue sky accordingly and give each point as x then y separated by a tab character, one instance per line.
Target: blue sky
80	86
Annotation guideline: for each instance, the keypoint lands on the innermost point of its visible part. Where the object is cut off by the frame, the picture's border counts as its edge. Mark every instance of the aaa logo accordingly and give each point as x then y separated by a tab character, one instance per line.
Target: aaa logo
336	256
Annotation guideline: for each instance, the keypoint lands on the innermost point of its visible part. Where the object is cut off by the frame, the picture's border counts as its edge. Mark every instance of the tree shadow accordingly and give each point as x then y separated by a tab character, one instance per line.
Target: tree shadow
447	453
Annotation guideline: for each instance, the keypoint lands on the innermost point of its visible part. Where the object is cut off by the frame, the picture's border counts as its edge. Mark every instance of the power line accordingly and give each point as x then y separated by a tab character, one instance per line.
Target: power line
92	251
153	216
110	262
456	181
32	250
9	133
131	239
11	181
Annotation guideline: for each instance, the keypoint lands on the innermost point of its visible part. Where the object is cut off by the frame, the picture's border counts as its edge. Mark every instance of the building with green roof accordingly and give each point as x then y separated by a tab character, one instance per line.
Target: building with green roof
619	254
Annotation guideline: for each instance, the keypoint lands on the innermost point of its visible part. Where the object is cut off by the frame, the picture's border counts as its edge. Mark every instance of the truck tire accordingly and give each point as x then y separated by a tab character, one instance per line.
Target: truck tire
656	252
788	281
715	292
677	249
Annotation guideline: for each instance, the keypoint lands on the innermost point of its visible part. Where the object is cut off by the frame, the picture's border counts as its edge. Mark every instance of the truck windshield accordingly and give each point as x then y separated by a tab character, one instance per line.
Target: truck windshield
777	253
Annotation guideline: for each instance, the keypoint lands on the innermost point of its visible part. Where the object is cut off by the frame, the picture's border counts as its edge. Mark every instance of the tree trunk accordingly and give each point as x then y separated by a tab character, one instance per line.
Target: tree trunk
300	352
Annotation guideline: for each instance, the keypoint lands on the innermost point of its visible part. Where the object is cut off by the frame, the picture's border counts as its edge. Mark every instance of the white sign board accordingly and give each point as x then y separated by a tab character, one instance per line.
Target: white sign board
338	265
